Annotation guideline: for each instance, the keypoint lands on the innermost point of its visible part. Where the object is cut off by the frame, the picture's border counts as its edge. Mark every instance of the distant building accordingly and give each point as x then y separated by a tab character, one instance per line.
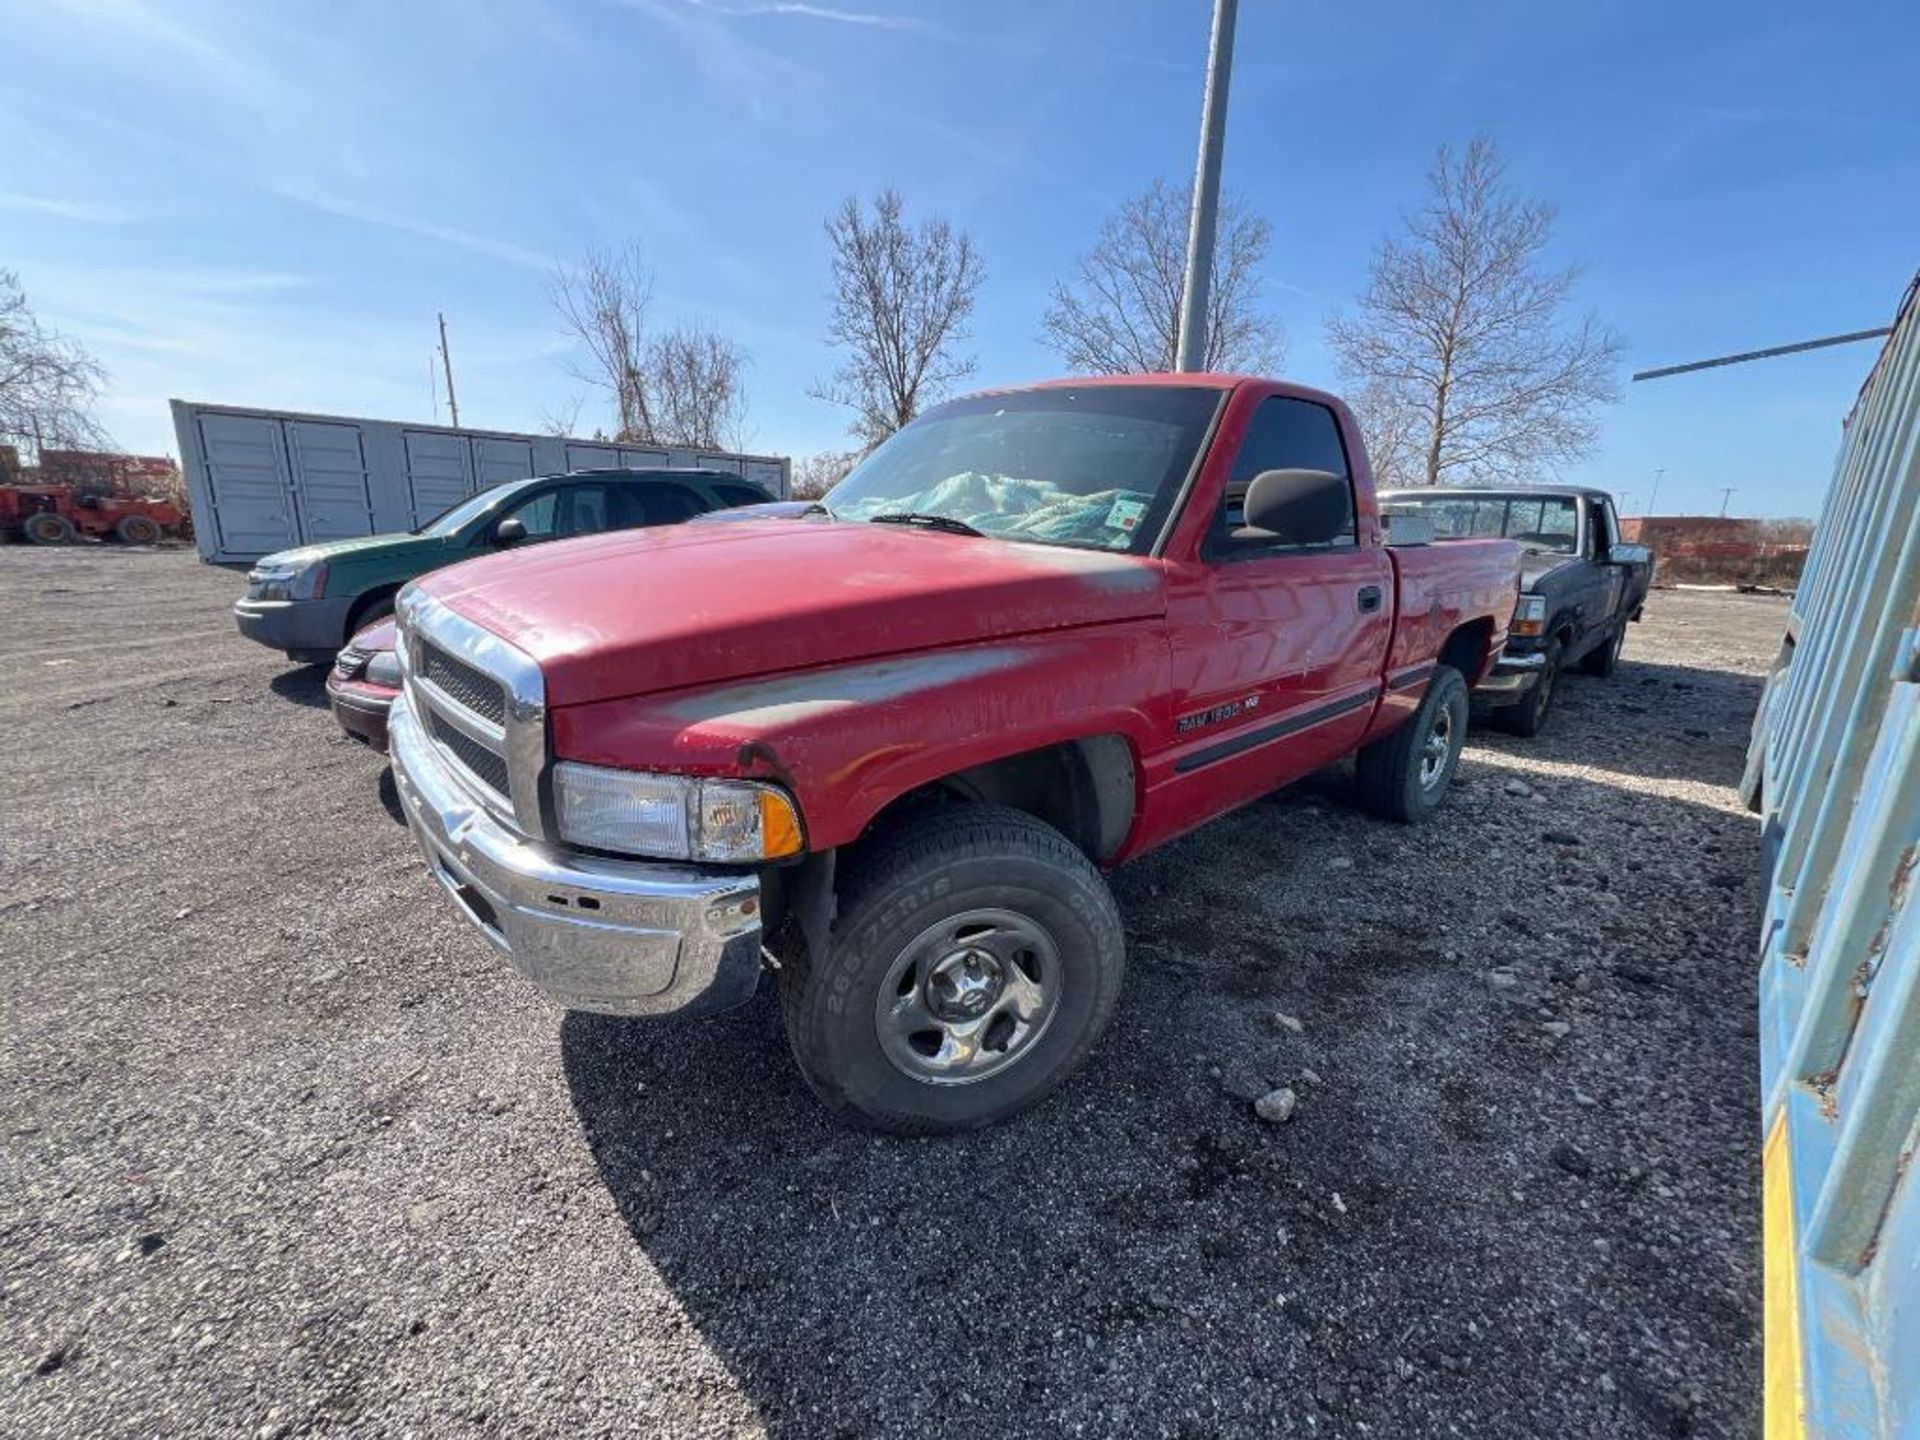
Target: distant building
1722	550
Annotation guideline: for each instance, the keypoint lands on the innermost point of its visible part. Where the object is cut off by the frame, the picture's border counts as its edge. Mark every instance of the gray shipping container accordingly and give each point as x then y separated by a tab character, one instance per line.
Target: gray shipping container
266	480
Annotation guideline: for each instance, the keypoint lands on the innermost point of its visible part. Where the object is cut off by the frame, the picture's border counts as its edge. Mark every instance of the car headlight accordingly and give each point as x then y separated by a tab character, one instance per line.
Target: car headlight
290	582
384	668
674	817
1529	616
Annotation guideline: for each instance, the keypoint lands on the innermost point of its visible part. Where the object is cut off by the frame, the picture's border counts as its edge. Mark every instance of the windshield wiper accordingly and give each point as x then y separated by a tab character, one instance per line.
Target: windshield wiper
930	522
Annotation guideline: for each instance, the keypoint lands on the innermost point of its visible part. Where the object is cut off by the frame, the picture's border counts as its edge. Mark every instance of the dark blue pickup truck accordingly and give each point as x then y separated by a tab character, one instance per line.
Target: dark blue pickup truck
1580	584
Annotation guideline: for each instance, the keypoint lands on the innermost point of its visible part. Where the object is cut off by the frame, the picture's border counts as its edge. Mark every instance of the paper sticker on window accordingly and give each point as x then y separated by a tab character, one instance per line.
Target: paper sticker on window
1125	514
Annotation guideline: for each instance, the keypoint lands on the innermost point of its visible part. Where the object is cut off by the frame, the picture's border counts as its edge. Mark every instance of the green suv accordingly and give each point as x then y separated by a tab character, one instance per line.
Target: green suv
309	601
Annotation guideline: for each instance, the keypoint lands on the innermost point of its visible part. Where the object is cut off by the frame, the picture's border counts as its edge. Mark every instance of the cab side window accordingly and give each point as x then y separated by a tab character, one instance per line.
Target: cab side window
1286	434
653	502
1601	532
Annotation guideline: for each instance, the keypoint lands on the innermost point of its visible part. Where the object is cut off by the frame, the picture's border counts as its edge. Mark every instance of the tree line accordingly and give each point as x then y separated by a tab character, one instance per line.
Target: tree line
1465	356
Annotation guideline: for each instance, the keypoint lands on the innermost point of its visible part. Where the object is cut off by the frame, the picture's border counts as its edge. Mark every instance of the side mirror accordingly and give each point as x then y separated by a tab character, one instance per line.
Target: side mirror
509	531
1298	507
1625	552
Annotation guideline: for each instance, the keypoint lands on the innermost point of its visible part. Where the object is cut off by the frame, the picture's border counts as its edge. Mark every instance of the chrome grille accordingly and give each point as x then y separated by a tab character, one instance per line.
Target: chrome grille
488	768
482	694
482	705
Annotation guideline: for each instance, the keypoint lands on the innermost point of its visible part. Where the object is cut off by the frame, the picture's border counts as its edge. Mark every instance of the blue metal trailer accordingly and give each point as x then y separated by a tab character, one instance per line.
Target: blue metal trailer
1834	769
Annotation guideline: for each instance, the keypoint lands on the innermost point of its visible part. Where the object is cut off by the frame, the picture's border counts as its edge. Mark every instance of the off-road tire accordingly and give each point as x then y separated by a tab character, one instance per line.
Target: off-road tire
46	528
1604	659
1528	717
926	867
137	530
1392	775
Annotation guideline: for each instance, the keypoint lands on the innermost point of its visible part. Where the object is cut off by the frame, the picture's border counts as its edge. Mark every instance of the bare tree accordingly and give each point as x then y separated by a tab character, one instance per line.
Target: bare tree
48	383
1465	362
604	303
817	474
684	387
1120	314
694	381
902	298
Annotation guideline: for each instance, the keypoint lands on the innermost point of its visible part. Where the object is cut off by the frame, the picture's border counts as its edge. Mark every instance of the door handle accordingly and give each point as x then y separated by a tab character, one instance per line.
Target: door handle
1369	599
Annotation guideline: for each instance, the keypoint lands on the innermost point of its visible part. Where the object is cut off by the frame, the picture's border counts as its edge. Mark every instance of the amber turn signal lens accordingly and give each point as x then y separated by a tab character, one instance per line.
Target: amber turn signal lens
779	826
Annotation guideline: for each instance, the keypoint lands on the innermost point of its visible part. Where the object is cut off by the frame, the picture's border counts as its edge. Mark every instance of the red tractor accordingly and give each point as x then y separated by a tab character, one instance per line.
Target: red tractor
60	514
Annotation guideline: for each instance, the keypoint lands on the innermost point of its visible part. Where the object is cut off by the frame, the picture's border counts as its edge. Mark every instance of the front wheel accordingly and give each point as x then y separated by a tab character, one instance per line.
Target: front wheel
1527	717
976	958
1405	776
44	527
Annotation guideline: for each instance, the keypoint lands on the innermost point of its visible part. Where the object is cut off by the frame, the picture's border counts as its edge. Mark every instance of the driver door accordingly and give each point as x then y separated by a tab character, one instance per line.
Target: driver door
1277	649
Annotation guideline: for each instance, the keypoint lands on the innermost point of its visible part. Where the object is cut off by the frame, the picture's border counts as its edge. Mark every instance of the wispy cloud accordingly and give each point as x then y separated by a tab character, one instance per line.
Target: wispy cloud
77	210
833	14
494	246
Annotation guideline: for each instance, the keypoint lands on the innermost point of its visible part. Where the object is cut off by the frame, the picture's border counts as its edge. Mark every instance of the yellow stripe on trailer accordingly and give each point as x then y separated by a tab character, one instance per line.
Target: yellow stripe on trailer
1786	1379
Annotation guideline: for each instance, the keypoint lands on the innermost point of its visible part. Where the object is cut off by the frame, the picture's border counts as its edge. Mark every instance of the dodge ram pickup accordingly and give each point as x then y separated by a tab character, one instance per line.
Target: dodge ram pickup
1036	633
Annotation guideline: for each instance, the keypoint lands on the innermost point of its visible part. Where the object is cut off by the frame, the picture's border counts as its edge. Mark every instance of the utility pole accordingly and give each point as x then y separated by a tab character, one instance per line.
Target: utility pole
1653	498
1726	494
446	359
1192	351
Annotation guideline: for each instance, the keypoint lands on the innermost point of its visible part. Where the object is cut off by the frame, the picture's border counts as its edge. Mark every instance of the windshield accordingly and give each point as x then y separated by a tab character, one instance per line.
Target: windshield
1543	524
1095	467
452	522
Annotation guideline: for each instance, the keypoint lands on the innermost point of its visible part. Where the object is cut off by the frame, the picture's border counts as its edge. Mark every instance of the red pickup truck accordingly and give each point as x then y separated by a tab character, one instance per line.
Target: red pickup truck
1036	633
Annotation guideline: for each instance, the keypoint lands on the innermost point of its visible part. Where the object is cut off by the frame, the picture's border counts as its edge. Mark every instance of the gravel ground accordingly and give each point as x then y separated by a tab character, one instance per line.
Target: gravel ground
288	1151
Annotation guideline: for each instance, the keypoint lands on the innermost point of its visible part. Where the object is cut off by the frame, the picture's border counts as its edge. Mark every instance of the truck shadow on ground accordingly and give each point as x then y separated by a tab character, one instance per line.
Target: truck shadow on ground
1141	1255
305	685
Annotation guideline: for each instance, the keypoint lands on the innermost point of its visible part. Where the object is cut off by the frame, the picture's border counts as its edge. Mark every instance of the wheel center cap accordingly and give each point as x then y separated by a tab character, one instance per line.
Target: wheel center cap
964	985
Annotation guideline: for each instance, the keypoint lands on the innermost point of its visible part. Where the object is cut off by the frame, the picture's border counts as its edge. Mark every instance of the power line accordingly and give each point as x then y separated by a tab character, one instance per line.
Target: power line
1849	338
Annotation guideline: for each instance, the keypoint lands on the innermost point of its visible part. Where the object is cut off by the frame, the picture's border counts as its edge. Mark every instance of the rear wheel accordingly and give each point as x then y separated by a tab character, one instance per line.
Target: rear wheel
1529	716
47	528
137	530
976	959
1405	776
1604	658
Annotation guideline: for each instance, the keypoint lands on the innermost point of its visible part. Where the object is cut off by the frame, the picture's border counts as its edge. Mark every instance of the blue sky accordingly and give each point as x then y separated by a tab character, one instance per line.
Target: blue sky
266	203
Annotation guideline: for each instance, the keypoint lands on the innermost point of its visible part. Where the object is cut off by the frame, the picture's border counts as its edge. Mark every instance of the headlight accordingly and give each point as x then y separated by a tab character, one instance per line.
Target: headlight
384	668
674	817
1529	616
290	582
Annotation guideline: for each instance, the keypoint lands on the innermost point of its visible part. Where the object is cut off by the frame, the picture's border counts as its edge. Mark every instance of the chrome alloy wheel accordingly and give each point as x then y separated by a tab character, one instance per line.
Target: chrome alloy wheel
1436	748
968	997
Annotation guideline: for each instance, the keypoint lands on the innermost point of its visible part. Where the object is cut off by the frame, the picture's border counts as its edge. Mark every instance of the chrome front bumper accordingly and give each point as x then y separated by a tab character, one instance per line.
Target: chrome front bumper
1511	678
612	936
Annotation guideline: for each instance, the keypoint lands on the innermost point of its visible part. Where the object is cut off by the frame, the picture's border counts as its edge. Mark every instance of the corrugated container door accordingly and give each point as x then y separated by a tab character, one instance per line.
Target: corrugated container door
330	480
496	461
438	473
592	457
247	475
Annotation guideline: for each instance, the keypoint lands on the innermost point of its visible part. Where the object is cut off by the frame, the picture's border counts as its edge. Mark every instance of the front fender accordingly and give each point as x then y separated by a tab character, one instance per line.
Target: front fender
847	740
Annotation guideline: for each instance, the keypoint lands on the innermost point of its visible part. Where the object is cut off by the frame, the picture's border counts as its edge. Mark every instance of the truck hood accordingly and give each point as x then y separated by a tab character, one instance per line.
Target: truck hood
1534	568
648	610
396	546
